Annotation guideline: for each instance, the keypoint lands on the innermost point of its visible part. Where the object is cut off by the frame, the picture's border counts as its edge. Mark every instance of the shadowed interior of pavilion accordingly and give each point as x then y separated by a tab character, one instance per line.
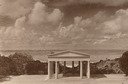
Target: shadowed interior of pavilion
71	70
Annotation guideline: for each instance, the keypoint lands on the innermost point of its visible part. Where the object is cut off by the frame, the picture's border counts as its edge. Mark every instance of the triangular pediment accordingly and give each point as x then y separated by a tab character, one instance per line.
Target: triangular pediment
69	54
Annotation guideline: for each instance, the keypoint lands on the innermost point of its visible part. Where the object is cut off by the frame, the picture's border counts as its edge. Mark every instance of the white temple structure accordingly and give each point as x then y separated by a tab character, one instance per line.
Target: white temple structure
64	56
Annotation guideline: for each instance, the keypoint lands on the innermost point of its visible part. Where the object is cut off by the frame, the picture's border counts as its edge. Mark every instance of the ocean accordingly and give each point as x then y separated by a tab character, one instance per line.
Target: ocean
42	55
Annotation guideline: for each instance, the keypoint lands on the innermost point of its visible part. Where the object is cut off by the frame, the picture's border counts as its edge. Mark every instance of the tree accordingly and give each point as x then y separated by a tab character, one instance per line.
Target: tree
36	67
7	66
20	60
124	62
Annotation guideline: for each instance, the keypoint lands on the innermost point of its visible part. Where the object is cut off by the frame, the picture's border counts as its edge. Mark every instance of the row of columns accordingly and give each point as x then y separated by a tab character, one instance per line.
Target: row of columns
50	68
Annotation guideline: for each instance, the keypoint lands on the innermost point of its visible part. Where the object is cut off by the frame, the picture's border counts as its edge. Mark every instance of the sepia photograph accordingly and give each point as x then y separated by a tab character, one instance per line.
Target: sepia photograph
63	41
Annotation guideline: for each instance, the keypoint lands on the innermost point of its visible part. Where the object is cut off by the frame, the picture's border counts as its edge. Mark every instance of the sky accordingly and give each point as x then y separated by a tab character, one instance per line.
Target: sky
63	24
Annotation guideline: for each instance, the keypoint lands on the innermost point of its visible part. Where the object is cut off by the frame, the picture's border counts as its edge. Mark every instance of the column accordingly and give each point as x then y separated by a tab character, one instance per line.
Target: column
56	70
49	72
64	66
54	64
88	69
51	68
79	65
58	67
81	69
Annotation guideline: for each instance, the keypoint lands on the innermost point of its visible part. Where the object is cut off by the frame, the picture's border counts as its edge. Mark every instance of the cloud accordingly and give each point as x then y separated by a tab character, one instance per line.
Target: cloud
20	22
36	25
13	32
40	15
27	32
99	41
98	29
115	27
64	31
46	39
81	30
72	30
19	37
117	23
55	16
15	8
103	2
107	2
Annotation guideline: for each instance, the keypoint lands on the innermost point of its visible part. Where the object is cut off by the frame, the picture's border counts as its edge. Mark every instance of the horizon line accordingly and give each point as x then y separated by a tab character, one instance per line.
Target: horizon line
62	49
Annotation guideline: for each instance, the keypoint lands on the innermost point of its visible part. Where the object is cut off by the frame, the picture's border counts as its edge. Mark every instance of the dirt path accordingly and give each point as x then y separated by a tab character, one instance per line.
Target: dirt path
42	79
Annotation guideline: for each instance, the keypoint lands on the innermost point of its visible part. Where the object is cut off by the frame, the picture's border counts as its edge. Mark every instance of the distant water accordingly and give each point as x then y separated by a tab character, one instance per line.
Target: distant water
41	55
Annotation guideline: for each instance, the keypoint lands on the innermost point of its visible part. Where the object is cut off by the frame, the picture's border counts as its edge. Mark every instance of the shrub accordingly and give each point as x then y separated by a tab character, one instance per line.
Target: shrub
124	62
